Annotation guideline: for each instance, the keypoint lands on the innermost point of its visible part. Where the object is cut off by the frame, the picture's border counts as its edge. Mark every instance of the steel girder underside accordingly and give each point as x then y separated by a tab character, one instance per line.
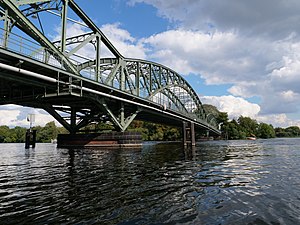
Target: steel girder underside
86	88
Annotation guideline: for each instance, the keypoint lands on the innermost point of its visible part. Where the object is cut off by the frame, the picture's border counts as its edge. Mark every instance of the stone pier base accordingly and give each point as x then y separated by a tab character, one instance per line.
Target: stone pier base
113	140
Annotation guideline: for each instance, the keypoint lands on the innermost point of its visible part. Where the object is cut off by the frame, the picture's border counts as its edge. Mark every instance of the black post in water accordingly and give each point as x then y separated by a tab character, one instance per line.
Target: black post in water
30	138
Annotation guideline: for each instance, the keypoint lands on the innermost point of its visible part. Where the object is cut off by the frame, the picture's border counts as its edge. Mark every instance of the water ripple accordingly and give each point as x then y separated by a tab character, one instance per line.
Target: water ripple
234	182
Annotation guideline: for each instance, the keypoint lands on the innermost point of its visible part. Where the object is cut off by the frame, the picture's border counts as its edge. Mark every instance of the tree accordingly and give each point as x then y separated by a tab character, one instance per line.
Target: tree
19	134
4	133
248	126
231	130
294	131
47	133
265	131
222	118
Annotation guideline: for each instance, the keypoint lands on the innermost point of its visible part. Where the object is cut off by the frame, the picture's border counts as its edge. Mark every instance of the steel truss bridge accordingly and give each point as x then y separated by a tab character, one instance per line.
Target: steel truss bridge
84	79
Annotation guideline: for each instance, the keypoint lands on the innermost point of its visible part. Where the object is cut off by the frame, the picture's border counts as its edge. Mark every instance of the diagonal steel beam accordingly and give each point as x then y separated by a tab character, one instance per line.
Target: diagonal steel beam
129	119
112	74
82	44
94	28
52	112
24	24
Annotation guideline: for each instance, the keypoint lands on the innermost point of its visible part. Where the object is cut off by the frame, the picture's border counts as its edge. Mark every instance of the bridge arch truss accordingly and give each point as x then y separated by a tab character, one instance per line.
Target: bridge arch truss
121	89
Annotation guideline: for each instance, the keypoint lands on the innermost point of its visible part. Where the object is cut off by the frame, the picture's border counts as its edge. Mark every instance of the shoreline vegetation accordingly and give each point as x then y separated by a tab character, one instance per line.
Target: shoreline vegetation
235	129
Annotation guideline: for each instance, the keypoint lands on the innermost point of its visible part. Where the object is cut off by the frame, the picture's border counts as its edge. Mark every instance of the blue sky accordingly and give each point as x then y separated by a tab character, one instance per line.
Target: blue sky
240	56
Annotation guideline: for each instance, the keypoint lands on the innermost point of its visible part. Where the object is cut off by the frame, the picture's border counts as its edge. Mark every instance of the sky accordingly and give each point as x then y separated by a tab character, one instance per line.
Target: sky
241	56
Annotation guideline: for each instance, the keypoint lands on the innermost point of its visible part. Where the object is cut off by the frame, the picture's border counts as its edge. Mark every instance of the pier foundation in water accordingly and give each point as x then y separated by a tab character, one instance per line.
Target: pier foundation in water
111	140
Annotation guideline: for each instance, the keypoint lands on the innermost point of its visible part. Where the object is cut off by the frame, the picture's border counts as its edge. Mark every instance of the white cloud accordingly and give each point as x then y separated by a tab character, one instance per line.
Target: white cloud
270	19
221	57
252	45
127	45
234	106
13	115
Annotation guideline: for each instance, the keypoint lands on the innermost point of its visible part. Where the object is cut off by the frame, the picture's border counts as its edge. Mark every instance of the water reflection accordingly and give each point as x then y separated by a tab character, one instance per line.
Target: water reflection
225	182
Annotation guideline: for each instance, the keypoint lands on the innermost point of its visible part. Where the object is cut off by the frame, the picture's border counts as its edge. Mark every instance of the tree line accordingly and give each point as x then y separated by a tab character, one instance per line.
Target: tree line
244	127
43	134
234	129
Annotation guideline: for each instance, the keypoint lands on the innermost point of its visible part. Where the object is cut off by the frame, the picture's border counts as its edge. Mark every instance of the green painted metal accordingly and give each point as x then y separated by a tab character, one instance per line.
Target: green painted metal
6	28
94	28
27	2
29	28
64	16
147	81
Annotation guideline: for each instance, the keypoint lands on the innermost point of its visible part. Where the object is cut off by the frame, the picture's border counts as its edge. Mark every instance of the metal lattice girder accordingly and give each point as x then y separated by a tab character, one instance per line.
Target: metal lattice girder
147	80
25	24
94	28
26	2
20	18
139	79
119	118
149	76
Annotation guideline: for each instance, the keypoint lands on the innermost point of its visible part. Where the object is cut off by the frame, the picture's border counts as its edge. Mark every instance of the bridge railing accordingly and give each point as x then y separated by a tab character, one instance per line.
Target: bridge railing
29	48
33	50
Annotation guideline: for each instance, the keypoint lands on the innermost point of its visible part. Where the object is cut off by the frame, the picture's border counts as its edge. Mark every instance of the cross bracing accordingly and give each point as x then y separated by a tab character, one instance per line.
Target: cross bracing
87	66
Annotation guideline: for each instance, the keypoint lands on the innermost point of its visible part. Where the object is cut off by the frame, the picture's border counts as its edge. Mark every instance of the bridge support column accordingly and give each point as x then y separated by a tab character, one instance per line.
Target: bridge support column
189	134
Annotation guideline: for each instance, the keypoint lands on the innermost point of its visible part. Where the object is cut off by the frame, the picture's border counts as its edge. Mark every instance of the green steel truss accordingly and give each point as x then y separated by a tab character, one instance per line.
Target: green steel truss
23	33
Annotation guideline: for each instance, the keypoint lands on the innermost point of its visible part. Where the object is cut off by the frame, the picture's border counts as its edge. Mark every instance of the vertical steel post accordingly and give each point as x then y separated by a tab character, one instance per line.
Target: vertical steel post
137	79
6	29
64	25
122	76
98	41
150	79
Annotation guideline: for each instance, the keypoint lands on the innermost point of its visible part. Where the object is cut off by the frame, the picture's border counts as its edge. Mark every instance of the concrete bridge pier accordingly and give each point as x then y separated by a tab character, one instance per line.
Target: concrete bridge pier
188	132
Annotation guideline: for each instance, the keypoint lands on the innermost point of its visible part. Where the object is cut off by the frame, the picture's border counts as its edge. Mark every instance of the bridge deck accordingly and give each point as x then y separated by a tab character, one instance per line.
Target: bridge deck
37	72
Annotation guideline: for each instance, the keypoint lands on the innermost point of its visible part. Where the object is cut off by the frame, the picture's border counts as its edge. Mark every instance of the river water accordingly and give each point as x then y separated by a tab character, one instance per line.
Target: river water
217	182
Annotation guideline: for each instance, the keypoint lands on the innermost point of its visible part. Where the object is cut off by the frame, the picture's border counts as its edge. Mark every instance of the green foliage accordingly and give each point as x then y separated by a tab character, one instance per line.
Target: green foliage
292	131
155	132
246	127
210	109
15	135
222	118
47	133
98	127
265	131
